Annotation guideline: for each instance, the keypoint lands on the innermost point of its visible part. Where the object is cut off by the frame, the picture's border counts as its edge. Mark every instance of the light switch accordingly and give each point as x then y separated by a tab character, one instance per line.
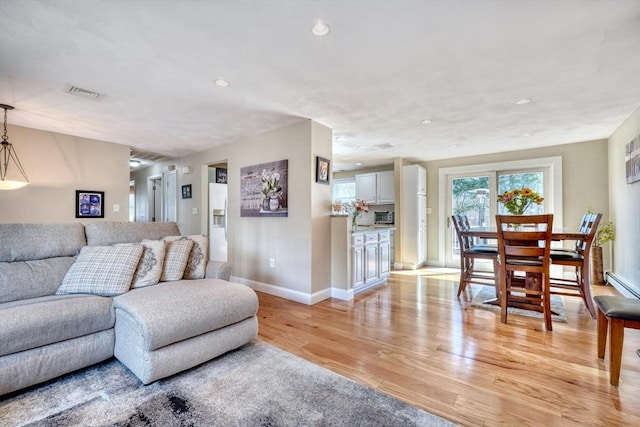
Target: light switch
428	211
116	208
194	211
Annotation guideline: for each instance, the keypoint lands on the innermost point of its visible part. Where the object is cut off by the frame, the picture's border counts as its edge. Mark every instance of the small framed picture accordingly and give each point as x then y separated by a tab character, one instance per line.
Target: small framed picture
221	175
322	170
186	191
89	204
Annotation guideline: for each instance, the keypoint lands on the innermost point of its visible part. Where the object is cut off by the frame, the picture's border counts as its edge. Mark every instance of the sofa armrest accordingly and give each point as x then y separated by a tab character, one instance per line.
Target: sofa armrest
218	270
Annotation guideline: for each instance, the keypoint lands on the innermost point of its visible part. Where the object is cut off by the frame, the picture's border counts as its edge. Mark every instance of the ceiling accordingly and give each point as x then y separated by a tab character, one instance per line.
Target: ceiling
384	67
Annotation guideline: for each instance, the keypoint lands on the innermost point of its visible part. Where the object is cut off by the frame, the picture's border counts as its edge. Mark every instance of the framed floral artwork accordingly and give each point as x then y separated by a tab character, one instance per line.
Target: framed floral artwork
323	168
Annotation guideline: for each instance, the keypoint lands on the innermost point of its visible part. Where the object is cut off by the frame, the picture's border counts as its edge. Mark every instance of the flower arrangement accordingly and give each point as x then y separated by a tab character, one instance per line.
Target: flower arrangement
355	208
606	233
271	184
517	201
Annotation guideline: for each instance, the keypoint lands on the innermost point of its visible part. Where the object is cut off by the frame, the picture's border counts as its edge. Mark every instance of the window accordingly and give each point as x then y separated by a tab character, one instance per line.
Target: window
344	190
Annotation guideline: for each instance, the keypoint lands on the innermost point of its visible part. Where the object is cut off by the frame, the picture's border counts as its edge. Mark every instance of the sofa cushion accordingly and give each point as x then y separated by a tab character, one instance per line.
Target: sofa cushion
26	242
149	267
36	322
109	232
102	270
31	279
198	257
175	259
175	311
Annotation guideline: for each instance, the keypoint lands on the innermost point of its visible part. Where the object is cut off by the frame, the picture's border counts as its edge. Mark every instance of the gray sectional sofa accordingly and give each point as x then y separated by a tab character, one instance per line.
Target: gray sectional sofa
48	330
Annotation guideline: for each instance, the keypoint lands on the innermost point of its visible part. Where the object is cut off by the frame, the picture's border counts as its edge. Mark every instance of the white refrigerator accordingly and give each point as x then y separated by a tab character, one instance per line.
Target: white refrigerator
218	222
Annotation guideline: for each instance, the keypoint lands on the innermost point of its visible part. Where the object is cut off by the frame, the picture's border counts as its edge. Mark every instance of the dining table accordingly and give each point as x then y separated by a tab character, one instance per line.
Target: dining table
491	233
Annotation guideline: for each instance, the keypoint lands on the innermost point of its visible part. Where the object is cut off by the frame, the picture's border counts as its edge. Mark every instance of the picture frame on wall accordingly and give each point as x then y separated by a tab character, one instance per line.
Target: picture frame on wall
221	175
186	191
89	204
264	189
323	169
632	160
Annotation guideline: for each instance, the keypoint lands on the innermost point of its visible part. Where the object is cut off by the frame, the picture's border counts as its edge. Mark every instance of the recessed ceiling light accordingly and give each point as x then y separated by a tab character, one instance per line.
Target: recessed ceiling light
134	163
526	134
523	101
426	121
320	28
340	138
359	164
222	82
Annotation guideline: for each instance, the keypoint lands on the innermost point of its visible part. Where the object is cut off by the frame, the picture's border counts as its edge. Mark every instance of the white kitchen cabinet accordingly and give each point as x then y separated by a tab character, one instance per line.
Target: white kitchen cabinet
376	188
385	188
414	217
370	258
366	187
371	262
384	253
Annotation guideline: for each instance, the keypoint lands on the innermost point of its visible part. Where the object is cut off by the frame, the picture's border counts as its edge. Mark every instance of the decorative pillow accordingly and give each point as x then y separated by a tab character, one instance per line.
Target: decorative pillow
149	267
197	263
175	259
102	270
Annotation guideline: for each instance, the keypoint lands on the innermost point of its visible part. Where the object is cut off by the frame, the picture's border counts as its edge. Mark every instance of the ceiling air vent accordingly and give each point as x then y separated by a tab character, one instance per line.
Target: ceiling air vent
78	91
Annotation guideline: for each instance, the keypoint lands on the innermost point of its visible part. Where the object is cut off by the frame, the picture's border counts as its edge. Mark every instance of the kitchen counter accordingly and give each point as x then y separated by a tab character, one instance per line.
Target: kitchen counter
366	227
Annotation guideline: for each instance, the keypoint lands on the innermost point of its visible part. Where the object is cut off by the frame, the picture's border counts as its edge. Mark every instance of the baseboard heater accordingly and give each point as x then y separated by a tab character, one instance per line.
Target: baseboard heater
625	288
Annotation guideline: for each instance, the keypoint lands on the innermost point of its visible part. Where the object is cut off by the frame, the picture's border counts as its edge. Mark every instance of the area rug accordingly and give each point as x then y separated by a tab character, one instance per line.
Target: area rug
489	292
256	385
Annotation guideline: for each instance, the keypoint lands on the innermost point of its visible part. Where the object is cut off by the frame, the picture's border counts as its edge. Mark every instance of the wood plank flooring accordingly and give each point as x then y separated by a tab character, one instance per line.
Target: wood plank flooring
413	339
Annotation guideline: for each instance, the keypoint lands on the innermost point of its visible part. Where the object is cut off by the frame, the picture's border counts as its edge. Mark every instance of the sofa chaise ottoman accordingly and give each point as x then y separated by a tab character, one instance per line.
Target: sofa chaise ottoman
155	331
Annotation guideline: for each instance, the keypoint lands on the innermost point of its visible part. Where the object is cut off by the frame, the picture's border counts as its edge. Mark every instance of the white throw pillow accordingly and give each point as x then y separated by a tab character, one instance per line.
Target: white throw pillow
175	259
197	262
102	270
149	267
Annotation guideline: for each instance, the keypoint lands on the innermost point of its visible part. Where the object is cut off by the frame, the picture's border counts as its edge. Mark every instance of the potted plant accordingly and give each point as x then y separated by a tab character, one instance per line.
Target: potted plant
606	233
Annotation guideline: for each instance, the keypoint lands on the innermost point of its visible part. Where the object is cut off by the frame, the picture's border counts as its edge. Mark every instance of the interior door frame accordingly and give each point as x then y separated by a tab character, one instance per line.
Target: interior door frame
553	199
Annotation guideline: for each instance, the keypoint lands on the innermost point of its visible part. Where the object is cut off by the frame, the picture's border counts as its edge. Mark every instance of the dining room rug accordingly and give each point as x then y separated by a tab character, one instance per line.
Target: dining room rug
488	292
256	385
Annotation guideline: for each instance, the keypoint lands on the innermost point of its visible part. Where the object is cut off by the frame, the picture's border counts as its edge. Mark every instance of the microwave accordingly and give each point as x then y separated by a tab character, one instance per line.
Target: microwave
384	217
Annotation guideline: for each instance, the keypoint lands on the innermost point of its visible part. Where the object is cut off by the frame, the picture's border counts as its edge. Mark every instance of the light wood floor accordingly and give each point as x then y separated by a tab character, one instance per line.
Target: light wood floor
413	339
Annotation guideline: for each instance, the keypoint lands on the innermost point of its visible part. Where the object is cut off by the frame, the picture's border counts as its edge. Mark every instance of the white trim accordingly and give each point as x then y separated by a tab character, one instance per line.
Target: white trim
345	295
555	202
290	294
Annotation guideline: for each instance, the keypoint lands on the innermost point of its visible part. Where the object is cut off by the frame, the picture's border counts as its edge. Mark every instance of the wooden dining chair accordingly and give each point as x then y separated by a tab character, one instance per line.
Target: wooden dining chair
469	252
579	285
524	243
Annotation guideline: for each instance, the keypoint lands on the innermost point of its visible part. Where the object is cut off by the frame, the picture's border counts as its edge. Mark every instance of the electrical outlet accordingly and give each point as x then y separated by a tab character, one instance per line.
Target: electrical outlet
194	211
116	208
272	263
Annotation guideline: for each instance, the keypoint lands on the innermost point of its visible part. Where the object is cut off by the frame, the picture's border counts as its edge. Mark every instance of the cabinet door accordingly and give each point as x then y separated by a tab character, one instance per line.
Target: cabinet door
386	190
371	263
422	210
366	187
357	268
422	180
422	245
384	258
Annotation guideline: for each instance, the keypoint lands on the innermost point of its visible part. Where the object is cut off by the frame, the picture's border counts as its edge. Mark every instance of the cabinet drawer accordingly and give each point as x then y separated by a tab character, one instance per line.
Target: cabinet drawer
357	239
370	237
383	235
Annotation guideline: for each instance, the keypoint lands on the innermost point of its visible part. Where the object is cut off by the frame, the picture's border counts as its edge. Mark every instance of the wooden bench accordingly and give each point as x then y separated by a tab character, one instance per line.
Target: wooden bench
622	313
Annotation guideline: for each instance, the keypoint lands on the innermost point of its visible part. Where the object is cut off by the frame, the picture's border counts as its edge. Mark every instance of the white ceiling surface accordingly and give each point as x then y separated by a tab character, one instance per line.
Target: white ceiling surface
384	67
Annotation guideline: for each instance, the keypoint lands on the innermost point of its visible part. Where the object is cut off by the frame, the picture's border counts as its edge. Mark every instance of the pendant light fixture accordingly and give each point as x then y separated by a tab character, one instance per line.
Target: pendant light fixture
7	155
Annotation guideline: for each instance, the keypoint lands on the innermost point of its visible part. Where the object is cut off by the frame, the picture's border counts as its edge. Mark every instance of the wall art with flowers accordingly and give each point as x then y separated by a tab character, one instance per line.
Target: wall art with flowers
263	189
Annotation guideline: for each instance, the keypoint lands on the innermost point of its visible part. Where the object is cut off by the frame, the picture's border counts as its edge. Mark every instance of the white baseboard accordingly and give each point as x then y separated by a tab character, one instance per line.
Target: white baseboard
621	285
293	295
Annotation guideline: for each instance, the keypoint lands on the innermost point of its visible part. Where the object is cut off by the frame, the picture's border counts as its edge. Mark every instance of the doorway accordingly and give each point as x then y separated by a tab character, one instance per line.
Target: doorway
218	212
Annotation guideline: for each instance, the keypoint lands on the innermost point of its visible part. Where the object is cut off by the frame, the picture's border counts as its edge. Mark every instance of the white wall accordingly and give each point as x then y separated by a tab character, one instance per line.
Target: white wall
625	206
57	165
299	243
